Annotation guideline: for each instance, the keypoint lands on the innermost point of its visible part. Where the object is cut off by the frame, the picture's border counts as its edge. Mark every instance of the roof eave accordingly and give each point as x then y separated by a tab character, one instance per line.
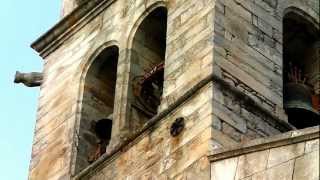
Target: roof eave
54	37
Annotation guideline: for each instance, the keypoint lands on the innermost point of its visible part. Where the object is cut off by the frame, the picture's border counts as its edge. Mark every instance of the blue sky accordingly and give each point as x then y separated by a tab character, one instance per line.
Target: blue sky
22	23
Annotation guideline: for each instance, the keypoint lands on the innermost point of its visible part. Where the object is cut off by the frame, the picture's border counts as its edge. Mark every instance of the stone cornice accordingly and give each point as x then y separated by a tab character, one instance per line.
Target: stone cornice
284	139
67	26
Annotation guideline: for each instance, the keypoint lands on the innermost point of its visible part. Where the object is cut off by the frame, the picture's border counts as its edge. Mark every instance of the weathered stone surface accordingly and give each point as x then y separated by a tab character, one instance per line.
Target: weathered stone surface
291	161
312	146
281	172
307	167
251	163
224	170
285	153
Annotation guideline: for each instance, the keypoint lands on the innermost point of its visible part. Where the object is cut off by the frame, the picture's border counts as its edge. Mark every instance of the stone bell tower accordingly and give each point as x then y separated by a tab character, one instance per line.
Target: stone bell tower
177	89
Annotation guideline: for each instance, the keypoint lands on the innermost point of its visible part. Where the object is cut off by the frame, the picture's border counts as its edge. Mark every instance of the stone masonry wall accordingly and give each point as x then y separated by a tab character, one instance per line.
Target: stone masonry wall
59	111
235	122
158	155
291	161
189	51
248	56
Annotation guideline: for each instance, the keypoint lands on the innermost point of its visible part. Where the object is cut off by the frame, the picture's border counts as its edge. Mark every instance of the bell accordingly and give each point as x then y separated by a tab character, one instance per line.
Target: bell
298	105
103	128
297	95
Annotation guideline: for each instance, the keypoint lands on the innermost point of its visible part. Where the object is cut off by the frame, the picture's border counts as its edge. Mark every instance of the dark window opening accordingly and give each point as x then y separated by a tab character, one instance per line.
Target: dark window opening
301	46
147	68
97	108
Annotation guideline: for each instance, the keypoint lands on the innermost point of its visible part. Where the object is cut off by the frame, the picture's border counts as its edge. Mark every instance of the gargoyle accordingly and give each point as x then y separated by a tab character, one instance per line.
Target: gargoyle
33	79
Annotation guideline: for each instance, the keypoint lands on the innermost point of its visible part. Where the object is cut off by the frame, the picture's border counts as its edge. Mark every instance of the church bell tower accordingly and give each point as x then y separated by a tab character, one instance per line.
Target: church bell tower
176	89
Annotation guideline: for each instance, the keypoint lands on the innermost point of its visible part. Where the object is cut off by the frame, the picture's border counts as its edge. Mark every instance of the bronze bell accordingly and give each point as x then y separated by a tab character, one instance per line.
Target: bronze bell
297	95
298	105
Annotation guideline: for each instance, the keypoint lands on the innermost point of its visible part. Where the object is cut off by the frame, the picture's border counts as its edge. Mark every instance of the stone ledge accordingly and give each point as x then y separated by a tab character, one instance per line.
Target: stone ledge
66	27
116	150
284	139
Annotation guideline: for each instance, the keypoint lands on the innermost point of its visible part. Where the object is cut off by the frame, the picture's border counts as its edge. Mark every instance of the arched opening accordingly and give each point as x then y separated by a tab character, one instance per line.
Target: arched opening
147	67
301	56
97	107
